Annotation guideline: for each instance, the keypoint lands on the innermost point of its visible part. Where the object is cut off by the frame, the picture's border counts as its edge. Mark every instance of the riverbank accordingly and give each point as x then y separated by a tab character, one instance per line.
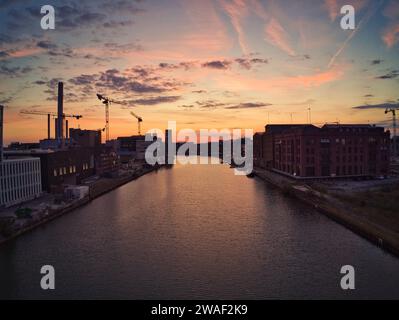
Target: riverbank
44	209
347	206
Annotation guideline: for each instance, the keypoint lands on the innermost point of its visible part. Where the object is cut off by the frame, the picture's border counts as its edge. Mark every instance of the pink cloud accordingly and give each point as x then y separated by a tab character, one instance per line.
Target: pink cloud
237	10
391	35
332	8
277	36
24	52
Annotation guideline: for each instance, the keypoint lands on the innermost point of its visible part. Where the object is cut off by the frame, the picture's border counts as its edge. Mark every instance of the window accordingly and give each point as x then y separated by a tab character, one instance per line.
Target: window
55	172
310	171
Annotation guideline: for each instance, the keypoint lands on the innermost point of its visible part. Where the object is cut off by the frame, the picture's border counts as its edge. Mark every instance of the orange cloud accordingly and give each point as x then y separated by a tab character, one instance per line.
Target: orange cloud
313	80
23	52
391	35
277	36
285	83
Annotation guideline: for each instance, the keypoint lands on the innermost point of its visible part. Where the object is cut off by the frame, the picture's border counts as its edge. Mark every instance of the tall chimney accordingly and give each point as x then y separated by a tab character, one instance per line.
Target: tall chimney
66	130
60	127
1	132
56	127
48	127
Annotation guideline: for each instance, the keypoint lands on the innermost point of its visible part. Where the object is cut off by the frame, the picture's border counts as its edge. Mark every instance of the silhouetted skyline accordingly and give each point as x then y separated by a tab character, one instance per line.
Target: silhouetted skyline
205	64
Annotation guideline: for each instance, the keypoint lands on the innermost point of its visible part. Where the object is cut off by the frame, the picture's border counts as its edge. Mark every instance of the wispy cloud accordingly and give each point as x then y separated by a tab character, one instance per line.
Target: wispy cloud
155	100
393	74
377	106
237	10
360	24
332	8
278	37
249	105
311	80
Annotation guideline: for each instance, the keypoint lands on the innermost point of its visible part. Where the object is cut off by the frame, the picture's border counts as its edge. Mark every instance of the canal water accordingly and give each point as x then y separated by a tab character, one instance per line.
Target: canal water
195	232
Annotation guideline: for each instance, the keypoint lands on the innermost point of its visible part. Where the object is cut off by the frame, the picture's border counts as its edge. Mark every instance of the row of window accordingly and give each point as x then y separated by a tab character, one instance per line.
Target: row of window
65	170
323	141
310	170
348	170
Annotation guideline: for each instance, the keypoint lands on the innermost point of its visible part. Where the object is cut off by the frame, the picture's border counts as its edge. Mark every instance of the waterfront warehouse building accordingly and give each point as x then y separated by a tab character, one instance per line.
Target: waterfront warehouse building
61	167
20	181
334	150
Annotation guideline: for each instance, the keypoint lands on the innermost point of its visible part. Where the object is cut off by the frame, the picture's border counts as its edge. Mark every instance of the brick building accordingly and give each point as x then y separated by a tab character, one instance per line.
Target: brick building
107	161
330	151
60	167
85	138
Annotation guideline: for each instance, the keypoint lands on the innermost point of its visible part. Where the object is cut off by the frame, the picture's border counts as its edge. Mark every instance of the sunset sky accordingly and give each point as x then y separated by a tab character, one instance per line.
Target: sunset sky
203	63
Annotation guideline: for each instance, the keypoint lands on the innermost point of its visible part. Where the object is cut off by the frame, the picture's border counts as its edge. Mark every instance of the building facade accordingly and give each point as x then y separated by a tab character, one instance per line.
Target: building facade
20	180
62	167
330	151
85	138
107	161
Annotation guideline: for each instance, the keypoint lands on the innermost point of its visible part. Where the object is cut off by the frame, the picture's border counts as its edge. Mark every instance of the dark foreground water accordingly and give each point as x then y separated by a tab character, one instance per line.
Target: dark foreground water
195	232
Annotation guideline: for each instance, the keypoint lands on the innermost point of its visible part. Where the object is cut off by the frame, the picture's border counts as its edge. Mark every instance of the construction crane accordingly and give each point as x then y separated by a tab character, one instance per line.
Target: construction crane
393	111
107	101
50	114
139	121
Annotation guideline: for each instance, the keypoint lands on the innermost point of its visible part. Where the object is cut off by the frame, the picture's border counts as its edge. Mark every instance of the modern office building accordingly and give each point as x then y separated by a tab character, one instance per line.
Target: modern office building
334	150
20	179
